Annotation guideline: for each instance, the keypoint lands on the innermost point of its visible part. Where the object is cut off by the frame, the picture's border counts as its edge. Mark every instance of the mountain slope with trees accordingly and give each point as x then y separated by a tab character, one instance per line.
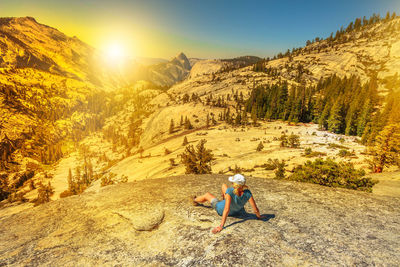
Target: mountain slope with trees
348	84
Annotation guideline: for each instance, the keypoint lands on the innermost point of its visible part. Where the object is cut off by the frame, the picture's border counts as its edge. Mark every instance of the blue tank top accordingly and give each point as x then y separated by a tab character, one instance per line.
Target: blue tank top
237	203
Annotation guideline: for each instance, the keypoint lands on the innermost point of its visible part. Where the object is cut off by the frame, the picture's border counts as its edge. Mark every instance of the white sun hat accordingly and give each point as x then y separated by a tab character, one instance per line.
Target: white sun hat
237	179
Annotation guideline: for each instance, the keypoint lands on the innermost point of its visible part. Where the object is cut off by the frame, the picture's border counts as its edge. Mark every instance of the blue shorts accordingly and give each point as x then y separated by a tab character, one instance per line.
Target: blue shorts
214	202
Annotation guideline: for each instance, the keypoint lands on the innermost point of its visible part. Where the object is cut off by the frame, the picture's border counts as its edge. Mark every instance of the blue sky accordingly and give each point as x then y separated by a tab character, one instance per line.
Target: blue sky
206	29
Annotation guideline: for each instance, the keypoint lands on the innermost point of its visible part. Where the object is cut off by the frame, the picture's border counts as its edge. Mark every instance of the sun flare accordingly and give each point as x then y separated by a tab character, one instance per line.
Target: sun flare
115	53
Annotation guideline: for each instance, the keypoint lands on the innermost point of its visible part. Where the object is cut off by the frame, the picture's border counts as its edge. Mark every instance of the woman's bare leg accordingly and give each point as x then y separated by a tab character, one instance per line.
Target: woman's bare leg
206	197
223	190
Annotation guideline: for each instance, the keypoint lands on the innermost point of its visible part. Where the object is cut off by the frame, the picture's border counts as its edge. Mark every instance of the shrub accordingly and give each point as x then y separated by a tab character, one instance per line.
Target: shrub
284	140
17	197
307	151
237	169
31	166
294	141
66	193
333	145
314	154
44	193
270	165
167	151
345	153
123	179
108	179
330	173
31	185
246	170
280	171
140	151
197	160
172	162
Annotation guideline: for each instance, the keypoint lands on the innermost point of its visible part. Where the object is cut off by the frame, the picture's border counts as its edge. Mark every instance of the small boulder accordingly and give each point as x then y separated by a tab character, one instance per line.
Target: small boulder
144	220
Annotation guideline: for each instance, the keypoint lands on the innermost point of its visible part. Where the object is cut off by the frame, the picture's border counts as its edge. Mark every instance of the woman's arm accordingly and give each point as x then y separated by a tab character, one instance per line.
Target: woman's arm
228	200
255	209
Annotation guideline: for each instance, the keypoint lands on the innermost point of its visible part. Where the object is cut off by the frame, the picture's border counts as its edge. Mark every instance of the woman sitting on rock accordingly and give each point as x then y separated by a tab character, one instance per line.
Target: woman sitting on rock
233	200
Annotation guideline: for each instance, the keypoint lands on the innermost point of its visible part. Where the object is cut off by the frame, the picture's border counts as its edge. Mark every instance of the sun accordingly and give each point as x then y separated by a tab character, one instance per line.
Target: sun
115	53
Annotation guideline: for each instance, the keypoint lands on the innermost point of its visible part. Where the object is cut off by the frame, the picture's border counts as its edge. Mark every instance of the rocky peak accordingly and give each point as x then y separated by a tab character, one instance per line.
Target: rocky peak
182	60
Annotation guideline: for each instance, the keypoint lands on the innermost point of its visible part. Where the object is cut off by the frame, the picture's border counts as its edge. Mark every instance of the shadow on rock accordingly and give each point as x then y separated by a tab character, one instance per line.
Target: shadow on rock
249	216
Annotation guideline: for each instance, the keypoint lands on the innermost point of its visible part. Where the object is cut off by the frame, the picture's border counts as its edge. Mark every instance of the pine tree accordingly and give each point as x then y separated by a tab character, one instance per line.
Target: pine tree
283	96
386	150
197	160
244	118
140	151
335	118
364	117
260	146
171	126
254	115
387	16
185	141
268	115
188	125
351	127
70	178
368	136
323	119
238	119
213	121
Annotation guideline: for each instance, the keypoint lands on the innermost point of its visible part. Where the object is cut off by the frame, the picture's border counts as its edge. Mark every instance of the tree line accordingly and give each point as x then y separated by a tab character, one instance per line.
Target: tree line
340	105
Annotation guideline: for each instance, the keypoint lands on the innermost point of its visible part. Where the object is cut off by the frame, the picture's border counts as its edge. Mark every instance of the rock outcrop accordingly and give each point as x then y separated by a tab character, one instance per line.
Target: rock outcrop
169	73
151	223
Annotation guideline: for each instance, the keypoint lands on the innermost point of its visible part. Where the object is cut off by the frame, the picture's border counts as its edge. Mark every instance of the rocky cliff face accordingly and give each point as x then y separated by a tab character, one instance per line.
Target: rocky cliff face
169	73
151	223
25	43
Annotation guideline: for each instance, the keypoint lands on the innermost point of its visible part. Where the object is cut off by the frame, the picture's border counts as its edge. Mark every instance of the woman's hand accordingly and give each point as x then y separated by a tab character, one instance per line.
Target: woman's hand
255	209
217	229
260	217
